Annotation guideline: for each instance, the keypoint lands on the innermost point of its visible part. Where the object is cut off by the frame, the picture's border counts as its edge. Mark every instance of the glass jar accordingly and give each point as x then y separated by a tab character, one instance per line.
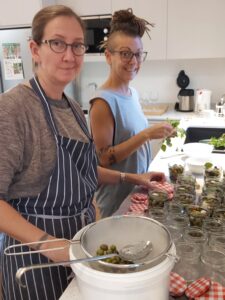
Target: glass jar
184	199
157	198
197	215
213	191
219	214
173	207
213	226
209	203
213	264
158	214
180	221
175	233
218	241
195	235
175	169
212	182
186	178
188	264
213	172
184	188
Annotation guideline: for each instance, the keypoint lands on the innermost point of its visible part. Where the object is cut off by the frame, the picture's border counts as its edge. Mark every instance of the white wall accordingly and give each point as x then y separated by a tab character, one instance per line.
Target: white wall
160	76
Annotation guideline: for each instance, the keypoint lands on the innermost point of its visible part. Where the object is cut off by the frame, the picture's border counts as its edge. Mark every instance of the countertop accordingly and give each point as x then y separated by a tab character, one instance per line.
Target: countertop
171	113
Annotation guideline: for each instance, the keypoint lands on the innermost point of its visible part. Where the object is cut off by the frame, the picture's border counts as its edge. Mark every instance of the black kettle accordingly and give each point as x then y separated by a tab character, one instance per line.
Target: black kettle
185	96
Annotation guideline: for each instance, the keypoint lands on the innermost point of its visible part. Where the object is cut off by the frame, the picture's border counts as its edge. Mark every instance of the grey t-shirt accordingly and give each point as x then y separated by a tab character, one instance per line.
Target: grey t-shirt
27	145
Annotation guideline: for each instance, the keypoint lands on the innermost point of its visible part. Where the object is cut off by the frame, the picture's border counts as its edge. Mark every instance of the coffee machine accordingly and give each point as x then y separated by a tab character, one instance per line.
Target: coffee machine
185	96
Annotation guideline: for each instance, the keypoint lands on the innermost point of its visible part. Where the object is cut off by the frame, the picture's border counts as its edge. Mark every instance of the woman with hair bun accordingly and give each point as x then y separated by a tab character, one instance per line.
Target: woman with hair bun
119	127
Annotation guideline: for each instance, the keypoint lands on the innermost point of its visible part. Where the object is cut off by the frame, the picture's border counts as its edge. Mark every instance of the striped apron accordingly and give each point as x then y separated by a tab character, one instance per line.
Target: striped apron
61	209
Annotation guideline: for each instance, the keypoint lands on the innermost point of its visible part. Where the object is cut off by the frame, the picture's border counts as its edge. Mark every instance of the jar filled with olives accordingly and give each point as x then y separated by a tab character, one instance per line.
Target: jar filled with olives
184	188
197	215
213	191
186	178
157	198
209	203
213	172
184	200
175	169
219	214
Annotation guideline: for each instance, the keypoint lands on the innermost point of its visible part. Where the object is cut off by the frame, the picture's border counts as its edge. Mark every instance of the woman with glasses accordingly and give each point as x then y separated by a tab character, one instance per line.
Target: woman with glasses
119	127
48	165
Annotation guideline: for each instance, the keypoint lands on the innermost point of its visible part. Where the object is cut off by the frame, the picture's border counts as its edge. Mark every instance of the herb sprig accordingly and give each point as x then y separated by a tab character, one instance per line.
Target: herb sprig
180	132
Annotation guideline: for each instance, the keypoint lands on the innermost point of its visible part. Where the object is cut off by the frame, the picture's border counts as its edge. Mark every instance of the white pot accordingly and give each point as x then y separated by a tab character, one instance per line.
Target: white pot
95	284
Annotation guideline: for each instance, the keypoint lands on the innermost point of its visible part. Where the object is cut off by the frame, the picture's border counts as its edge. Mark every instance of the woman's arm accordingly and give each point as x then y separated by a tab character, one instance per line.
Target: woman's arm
102	127
14	225
106	176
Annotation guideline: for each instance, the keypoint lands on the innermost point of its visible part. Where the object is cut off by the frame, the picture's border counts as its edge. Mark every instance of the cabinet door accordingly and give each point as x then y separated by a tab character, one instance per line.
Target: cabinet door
17	13
154	12
196	29
87	7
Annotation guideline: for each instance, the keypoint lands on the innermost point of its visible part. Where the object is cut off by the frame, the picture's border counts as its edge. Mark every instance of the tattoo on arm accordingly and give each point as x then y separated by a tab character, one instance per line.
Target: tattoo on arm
108	150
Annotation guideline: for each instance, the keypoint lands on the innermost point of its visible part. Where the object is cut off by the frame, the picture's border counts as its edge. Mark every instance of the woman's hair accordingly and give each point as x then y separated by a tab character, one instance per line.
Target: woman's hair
48	13
124	21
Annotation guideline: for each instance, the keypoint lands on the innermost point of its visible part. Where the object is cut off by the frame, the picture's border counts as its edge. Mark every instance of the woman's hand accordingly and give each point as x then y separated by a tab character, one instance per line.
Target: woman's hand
56	255
145	178
160	131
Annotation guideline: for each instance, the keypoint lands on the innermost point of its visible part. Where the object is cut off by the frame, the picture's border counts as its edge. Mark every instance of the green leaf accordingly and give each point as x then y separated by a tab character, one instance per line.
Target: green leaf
208	165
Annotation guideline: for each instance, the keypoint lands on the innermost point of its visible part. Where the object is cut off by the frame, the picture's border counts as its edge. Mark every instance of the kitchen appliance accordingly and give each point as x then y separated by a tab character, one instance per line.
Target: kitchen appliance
97	29
185	96
202	100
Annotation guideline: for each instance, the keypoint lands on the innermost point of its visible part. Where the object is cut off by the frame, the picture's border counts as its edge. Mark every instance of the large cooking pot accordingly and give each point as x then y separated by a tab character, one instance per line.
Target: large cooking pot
101	280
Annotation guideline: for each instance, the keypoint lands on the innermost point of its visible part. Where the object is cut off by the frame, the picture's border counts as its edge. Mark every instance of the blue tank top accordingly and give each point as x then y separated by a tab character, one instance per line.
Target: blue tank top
129	120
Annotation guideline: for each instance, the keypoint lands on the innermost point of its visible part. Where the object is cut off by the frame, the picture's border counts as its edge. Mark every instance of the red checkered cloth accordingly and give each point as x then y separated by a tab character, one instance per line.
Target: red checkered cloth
139	198
177	285
165	186
138	207
198	288
216	292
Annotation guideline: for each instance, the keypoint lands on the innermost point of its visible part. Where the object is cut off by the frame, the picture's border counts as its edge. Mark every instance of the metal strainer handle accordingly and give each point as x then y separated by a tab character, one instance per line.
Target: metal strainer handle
21	271
7	251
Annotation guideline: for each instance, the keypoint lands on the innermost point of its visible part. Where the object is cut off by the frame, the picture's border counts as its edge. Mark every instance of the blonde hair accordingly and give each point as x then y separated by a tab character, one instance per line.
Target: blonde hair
124	21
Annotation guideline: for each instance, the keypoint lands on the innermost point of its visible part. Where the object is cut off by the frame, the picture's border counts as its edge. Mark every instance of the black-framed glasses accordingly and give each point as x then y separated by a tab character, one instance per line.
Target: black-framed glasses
59	46
126	56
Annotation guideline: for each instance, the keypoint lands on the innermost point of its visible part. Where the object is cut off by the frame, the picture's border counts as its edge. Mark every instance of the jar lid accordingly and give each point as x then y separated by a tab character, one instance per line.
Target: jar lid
177	285
198	288
216	291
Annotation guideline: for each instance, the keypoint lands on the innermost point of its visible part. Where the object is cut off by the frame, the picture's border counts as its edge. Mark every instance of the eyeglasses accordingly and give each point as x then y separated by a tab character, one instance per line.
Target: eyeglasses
59	46
126	56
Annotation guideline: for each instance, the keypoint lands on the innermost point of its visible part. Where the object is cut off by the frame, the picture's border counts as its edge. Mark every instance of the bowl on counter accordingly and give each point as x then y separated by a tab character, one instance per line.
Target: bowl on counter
198	150
196	165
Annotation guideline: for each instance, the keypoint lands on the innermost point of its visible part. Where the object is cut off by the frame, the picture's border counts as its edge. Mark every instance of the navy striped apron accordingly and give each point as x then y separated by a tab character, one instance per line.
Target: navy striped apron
61	209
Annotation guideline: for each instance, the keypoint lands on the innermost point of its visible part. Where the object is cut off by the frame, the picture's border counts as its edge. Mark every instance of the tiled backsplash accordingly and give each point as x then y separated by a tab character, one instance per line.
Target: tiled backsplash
158	78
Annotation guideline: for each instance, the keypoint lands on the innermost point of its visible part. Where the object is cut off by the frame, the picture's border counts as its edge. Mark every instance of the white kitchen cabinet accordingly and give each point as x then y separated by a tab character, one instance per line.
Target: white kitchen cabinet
18	13
87	7
196	29
154	11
